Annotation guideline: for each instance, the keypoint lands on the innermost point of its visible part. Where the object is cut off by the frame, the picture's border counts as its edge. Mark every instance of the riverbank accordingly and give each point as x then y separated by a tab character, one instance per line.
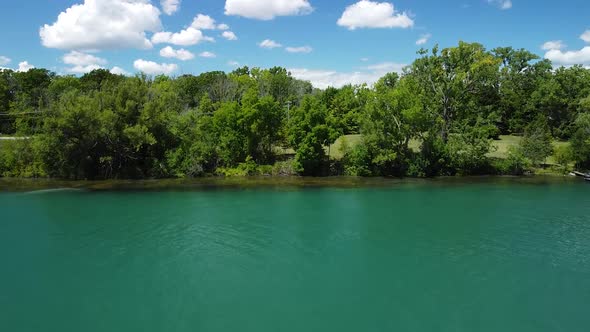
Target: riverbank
211	183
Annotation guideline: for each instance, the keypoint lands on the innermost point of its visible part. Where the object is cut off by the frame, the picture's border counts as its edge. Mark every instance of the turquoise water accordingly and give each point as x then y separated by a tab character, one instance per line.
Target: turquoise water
406	257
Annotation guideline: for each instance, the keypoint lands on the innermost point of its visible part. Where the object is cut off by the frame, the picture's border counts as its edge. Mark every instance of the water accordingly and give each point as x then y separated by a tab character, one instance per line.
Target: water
424	256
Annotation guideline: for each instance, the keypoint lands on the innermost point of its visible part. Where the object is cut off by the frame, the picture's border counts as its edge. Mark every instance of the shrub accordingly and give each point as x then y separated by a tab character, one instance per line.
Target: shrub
564	156
515	164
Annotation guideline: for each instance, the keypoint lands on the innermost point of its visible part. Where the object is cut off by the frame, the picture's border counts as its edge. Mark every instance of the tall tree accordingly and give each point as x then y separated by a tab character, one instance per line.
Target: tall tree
454	79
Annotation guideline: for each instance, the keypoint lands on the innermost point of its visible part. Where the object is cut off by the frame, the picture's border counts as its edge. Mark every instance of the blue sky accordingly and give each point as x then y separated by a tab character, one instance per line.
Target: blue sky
332	42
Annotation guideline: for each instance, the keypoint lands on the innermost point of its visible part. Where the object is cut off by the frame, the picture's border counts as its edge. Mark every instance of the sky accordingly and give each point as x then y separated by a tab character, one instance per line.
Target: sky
328	42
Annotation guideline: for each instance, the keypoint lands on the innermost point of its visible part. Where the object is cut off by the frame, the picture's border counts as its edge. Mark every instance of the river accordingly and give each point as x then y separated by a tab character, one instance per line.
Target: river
492	255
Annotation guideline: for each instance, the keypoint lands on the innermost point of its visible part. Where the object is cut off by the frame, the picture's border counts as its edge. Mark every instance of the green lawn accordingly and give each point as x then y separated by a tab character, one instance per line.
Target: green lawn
502	146
505	142
352	140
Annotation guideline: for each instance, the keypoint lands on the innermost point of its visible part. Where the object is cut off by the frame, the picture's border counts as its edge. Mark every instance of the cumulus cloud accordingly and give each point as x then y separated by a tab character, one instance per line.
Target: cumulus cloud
83	69
103	24
24	66
153	68
82	59
502	4
4	60
203	22
585	36
229	35
267	9
326	78
82	63
300	49
370	14
170	6
233	63
569	58
207	55
206	22
119	71
269	43
186	37
553	45
181	54
423	39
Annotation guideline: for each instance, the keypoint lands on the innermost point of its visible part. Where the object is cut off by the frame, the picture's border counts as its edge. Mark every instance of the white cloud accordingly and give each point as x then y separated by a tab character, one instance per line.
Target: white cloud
76	58
170	6
364	59
187	37
267	9
301	49
203	22
153	68
569	58
502	4
553	45
207	55
370	14
24	66
181	54
585	36
83	69
223	27
4	60
423	39
269	43
386	67
119	71
103	24
229	35
82	63
233	63
325	78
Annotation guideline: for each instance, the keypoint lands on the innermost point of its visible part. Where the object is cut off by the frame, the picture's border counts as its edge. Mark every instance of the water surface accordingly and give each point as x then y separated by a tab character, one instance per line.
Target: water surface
414	256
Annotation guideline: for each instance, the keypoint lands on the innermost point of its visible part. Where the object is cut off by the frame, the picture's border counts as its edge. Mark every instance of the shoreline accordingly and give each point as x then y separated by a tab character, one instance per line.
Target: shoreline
252	182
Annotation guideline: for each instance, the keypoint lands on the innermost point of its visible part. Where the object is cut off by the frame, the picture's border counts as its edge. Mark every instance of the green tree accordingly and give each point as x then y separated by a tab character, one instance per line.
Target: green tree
394	117
536	144
580	142
310	131
521	74
454	82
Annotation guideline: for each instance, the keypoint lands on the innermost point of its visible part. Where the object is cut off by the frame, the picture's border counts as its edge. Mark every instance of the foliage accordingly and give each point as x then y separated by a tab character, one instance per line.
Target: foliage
564	156
515	164
435	118
580	141
310	130
536	145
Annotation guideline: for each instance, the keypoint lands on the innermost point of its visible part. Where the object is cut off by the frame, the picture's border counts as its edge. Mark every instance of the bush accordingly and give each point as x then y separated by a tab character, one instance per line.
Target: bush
355	161
515	164
468	153
21	159
564	156
536	143
284	168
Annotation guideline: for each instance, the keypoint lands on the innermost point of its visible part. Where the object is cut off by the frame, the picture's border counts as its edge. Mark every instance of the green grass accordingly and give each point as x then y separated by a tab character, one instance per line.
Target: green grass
506	142
352	140
502	146
335	149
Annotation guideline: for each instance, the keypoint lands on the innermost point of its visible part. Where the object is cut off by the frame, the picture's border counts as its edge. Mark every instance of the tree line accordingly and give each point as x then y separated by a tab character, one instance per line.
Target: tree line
440	116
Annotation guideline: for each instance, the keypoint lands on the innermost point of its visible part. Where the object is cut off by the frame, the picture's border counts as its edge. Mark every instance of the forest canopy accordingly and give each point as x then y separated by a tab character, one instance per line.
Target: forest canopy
440	116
